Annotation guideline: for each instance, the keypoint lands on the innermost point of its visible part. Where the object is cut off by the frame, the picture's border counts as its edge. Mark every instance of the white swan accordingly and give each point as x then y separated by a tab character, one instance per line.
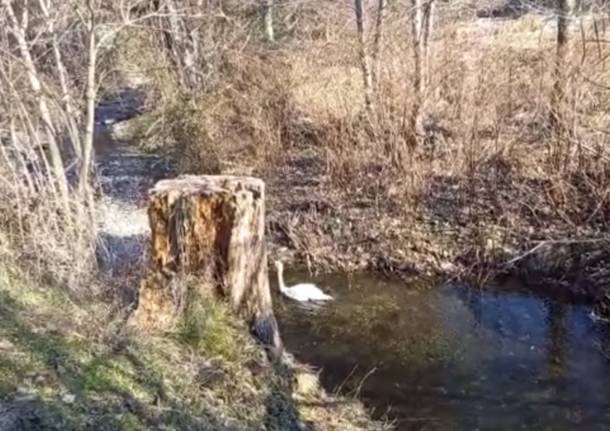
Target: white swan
301	292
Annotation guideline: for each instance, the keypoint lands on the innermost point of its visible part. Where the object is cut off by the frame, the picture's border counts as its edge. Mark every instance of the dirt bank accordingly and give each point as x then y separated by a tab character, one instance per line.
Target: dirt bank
471	228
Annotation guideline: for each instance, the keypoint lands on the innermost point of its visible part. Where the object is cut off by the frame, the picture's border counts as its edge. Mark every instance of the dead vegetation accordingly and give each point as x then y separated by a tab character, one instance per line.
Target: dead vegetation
390	140
507	153
465	141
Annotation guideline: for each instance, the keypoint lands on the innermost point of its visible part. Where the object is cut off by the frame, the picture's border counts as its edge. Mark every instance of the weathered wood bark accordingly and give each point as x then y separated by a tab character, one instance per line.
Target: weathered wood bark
213	227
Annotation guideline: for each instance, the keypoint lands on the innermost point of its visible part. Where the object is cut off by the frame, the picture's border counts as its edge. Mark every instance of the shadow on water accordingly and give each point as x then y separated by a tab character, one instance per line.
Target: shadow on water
454	358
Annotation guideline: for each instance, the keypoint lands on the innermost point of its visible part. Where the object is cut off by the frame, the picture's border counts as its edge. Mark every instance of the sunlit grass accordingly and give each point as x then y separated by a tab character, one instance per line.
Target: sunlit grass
67	358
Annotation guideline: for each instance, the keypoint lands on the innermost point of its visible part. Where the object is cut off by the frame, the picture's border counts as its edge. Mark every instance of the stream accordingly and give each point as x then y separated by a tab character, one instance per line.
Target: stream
125	174
455	358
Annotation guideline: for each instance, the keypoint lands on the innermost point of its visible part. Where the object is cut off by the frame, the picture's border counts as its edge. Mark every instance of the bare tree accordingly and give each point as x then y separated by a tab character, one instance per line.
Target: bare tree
428	16
91	94
421	17
18	29
66	96
364	57
564	10
378	42
47	120
182	39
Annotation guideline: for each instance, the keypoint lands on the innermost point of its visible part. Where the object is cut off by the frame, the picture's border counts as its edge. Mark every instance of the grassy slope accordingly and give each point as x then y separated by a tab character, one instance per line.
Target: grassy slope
66	368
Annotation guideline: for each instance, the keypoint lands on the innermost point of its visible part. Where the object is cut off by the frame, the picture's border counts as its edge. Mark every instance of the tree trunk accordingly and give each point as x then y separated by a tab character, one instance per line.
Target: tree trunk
557	120
426	30
212	227
378	44
268	20
364	58
87	150
66	97
183	42
418	82
564	8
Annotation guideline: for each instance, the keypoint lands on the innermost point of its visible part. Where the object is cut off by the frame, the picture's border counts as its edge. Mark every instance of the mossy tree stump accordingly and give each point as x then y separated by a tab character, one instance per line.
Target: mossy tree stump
212	228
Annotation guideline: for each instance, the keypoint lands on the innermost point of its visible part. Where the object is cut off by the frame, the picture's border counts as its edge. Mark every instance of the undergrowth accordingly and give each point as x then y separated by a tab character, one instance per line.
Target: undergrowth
488	181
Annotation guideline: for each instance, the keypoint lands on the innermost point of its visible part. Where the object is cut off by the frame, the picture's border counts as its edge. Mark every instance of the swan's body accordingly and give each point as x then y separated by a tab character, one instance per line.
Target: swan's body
302	292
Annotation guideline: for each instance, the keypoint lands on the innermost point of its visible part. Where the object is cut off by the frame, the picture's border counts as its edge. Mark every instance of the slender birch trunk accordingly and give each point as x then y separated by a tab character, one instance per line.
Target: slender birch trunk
91	94
418	88
62	74
421	29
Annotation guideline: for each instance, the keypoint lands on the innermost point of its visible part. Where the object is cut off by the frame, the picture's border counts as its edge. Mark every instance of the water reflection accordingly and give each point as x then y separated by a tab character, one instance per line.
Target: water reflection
557	339
451	358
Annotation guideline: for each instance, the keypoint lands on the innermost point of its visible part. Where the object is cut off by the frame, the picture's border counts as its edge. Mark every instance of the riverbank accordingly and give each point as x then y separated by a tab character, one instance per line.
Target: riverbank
73	366
503	220
491	187
470	228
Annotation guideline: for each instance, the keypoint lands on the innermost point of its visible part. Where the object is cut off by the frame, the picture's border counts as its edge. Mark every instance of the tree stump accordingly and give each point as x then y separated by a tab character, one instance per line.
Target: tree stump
213	228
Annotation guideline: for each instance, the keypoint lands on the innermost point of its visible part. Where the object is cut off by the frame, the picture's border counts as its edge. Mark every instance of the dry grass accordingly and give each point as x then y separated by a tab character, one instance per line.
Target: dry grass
488	179
46	220
37	228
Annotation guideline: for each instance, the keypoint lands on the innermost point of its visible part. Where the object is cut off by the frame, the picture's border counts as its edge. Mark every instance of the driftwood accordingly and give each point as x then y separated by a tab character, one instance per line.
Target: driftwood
213	228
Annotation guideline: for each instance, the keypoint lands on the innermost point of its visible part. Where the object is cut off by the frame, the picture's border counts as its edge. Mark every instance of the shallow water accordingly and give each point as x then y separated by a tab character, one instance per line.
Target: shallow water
453	358
125	174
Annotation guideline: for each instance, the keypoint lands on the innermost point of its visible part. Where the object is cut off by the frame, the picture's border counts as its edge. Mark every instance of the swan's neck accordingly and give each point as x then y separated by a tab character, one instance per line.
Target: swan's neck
280	280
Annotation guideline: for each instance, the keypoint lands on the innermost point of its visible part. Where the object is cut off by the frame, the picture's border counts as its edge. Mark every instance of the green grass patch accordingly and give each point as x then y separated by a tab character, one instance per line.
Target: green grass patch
74	373
210	327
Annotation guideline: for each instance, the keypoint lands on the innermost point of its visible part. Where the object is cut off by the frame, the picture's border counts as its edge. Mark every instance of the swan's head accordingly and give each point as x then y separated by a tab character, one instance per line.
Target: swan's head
279	265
